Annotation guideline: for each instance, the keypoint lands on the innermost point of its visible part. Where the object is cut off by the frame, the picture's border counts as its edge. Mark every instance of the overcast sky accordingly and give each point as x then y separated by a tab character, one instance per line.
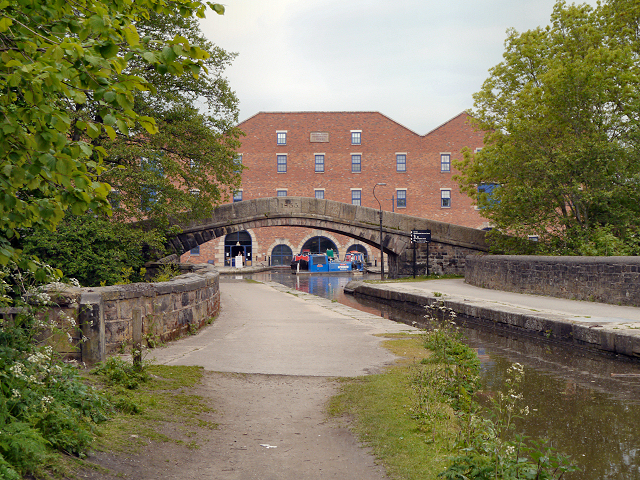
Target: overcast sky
416	61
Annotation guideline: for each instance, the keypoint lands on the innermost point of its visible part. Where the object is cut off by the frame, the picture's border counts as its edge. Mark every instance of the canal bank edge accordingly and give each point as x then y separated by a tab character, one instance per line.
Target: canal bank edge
609	339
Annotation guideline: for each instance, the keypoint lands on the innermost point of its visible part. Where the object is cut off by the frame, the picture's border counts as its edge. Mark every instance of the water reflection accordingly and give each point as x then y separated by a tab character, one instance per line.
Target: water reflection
576	398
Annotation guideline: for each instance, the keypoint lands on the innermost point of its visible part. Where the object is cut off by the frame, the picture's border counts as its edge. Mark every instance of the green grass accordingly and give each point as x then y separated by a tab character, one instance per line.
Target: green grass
162	408
419	278
382	407
164	399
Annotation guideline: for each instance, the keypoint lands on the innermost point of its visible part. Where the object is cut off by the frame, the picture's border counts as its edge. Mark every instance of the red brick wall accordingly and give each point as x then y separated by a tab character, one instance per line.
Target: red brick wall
381	139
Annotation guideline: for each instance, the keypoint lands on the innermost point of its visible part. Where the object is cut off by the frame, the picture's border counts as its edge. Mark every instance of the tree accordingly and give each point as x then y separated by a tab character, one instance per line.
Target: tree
561	112
65	80
188	167
91	249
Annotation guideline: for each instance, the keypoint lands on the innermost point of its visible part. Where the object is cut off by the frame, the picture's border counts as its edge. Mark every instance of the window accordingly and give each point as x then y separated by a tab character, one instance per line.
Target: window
445	198
486	194
195	250
281	193
356	137
237	196
319	194
319	163
356	163
281	138
445	162
282	164
401	198
356	197
152	167
401	162
238	164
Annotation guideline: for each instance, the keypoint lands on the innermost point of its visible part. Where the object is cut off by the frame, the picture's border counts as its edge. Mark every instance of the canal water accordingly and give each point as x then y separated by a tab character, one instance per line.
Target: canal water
587	405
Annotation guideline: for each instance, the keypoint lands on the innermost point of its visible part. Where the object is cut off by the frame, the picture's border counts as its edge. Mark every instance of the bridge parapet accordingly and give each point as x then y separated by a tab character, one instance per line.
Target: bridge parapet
362	223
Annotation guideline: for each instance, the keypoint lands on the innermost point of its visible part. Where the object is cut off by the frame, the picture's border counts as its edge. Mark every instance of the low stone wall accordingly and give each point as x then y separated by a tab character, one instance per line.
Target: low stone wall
110	317
443	259
614	280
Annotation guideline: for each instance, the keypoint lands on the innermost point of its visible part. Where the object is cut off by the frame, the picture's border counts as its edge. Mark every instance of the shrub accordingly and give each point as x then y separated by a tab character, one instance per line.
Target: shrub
487	446
44	405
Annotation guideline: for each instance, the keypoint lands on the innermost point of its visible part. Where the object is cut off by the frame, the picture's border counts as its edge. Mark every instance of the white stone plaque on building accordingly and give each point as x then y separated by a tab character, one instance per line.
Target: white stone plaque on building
319	137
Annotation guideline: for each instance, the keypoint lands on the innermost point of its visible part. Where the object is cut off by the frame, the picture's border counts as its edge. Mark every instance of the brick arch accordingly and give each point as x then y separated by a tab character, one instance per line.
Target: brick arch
276	243
315	234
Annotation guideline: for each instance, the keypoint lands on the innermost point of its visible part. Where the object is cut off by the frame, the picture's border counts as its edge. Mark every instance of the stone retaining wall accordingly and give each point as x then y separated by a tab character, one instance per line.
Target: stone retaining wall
547	327
614	280
105	315
443	259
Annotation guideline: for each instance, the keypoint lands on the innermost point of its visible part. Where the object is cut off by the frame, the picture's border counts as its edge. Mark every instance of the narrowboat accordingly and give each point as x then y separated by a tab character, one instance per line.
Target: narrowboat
323	263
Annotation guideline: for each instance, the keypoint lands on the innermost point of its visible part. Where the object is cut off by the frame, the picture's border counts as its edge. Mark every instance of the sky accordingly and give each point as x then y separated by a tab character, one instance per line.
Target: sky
416	61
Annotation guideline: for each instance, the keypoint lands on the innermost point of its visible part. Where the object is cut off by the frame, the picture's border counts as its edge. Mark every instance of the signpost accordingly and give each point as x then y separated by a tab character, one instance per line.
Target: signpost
420	236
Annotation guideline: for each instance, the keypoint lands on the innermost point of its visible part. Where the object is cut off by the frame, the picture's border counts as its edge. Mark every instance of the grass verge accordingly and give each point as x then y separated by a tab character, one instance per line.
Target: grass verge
383	411
155	404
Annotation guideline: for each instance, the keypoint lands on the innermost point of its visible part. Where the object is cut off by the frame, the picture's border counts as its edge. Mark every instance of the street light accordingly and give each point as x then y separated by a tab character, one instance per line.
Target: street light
380	209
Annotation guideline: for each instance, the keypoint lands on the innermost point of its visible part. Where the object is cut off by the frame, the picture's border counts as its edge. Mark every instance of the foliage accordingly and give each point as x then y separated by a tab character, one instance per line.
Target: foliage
459	366
561	150
116	371
188	166
44	406
66	80
166	272
92	249
488	446
159	398
379	403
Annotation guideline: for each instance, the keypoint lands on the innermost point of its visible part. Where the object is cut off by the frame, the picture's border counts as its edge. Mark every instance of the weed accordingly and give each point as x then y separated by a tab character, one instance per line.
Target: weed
166	272
44	406
437	294
421	419
117	372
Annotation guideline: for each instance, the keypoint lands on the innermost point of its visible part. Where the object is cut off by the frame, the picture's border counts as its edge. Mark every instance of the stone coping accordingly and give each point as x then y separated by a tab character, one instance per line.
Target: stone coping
610	338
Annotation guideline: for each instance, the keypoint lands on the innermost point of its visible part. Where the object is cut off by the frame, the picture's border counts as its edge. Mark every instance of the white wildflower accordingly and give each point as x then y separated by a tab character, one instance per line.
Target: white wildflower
46	401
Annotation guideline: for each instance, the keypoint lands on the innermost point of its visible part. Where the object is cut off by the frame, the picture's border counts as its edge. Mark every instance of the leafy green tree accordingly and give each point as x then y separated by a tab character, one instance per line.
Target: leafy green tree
92	249
65	79
561	112
188	166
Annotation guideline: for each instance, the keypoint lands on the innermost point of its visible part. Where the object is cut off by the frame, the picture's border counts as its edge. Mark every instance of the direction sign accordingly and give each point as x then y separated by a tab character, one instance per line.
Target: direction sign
420	236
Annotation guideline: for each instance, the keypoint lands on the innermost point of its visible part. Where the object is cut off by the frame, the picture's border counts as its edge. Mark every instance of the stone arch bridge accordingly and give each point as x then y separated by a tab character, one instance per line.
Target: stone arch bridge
450	243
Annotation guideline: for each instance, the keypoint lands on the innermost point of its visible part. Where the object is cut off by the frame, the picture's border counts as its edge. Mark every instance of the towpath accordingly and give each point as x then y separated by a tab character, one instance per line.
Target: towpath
271	359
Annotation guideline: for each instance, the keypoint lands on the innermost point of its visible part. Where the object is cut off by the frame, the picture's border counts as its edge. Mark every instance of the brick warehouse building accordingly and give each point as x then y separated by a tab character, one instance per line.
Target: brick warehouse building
341	156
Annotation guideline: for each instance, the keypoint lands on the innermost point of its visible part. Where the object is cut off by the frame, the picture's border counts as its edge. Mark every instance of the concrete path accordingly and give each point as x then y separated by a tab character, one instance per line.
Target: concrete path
611	328
282	349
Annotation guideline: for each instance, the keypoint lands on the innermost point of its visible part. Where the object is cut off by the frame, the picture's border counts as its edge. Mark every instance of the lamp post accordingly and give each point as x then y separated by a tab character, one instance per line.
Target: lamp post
380	209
